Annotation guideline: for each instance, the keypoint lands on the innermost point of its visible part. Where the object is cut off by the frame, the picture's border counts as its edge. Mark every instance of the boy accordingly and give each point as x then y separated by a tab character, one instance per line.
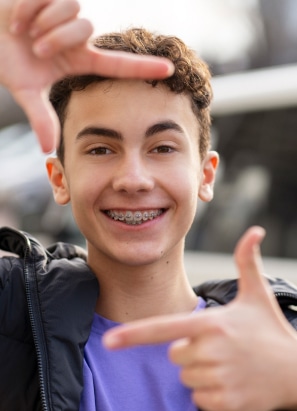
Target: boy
133	159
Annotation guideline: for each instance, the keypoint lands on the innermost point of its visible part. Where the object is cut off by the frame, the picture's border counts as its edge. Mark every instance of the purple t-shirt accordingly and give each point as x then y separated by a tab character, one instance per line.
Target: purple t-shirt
132	379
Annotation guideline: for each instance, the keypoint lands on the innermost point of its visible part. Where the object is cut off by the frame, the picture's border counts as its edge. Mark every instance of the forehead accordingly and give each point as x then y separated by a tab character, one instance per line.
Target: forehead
123	103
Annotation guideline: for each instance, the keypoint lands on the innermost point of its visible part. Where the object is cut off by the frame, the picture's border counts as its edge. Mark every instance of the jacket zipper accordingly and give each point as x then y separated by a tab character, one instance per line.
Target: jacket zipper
37	332
289	295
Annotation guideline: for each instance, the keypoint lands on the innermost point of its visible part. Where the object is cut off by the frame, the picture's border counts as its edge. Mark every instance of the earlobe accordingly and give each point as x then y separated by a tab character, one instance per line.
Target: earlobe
209	167
57	180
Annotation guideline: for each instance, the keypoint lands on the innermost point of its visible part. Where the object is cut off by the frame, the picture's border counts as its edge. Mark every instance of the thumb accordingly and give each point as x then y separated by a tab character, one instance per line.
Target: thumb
252	284
42	117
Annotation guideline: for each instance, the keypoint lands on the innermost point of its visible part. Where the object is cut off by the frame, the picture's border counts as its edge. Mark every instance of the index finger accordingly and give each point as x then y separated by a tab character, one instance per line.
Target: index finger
126	65
155	330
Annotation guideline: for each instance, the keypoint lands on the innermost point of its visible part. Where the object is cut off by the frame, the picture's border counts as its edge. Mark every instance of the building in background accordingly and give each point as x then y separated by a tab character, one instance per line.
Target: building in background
255	132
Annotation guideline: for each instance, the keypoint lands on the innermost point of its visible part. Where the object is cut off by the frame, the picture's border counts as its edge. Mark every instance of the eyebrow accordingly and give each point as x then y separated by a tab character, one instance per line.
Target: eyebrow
107	132
163	126
99	131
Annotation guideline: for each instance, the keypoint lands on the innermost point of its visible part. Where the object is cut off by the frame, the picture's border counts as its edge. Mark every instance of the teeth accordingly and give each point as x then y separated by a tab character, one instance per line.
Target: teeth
121	217
137	217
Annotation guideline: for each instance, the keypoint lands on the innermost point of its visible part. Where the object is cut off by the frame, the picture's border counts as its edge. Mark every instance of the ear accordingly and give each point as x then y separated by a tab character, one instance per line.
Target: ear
209	167
58	181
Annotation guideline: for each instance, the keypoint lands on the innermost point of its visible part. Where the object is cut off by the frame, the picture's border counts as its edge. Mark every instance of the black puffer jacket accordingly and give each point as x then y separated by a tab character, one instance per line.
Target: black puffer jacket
47	301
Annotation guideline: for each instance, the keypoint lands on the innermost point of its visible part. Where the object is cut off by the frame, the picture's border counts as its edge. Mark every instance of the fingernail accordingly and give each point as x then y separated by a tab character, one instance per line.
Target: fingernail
261	232
170	69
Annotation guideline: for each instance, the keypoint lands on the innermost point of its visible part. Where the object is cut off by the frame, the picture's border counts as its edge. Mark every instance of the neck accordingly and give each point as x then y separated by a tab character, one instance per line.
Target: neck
131	293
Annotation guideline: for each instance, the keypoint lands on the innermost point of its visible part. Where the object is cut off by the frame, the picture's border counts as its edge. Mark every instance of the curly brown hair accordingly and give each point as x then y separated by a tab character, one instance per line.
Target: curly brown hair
191	76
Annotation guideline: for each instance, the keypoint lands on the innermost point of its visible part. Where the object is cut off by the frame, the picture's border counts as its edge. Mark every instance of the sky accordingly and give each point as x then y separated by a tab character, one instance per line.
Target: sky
153	14
211	27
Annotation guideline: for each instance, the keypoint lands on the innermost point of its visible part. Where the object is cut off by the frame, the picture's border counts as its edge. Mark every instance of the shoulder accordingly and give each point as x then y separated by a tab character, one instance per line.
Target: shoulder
23	244
34	273
220	292
27	255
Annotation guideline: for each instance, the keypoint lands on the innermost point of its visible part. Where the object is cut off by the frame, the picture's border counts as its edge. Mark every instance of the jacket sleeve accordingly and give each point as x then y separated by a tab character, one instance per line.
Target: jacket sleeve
220	292
18	369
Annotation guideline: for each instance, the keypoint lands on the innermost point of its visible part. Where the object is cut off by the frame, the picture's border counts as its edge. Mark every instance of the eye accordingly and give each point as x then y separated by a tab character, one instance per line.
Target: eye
163	149
100	151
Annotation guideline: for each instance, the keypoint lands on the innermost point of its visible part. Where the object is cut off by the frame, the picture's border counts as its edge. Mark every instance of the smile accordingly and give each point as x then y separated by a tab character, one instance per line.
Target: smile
136	217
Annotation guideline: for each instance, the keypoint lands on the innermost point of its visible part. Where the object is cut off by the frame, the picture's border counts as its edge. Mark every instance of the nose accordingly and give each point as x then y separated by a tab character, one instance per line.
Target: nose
132	175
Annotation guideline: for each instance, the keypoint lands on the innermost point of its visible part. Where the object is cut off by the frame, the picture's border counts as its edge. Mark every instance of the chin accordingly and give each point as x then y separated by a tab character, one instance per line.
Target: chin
139	258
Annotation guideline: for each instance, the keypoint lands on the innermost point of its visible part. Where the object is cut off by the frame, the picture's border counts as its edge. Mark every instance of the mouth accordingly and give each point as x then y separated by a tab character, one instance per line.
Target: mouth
134	217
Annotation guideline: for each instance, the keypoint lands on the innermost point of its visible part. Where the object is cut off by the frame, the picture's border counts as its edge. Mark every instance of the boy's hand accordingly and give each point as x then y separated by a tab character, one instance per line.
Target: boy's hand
41	41
241	356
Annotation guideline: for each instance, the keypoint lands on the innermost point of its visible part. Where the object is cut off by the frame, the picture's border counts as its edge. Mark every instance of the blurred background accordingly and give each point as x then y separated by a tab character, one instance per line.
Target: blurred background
251	48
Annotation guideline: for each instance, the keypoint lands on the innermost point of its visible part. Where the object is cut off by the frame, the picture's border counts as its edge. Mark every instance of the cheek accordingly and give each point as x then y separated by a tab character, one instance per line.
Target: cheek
83	204
82	189
185	185
186	203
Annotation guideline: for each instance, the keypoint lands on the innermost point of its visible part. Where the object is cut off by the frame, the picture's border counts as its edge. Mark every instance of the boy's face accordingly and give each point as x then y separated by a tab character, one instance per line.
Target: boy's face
132	170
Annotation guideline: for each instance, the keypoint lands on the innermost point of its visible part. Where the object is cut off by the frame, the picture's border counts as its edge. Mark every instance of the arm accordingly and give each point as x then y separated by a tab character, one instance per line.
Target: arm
242	356
42	41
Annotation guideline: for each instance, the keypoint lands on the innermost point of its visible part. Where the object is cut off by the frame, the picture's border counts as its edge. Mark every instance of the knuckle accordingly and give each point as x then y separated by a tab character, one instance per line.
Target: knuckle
175	355
227	401
215	400
178	351
188	377
23	9
223	328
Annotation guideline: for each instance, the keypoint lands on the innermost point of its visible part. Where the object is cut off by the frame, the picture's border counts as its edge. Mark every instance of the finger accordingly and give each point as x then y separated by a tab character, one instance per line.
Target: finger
203	377
186	352
126	65
159	329
254	288
41	116
181	352
252	284
64	38
54	15
212	399
23	13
